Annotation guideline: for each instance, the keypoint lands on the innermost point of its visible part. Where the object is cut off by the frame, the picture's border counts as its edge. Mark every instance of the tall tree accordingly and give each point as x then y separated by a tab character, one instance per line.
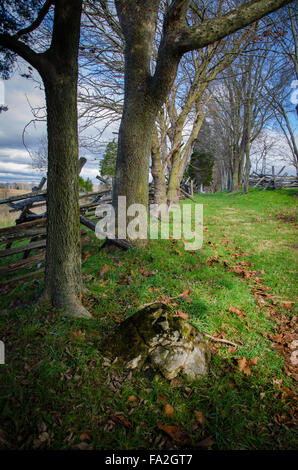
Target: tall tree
144	92
57	65
186	105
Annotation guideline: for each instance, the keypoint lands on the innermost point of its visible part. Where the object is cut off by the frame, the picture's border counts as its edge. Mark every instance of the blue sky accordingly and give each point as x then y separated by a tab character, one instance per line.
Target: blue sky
15	161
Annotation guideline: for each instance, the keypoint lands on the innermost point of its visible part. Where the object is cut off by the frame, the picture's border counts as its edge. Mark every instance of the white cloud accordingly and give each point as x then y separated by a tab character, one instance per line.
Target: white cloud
15	161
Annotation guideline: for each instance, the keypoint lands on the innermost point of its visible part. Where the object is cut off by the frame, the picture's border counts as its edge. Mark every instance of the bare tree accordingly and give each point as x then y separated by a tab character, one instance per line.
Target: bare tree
144	92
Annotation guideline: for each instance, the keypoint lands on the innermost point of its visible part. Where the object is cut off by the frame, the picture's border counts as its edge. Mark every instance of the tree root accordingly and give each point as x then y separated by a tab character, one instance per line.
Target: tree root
69	303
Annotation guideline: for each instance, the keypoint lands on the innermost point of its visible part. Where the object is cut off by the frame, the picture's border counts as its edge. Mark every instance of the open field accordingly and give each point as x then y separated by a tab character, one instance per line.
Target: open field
57	391
7	218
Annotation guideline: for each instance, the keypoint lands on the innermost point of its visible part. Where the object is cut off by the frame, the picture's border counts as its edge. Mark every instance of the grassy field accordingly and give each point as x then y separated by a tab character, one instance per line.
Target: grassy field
57	391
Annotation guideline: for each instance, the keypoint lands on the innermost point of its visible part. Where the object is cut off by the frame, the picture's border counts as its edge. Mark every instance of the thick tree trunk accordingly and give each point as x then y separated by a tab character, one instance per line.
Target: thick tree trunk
134	146
63	281
138	21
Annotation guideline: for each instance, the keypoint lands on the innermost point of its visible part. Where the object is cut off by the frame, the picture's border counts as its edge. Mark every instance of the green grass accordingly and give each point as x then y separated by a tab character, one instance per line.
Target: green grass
56	379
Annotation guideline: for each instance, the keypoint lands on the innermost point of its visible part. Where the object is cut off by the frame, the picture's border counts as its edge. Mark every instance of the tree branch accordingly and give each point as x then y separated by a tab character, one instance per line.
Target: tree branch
175	15
200	36
22	49
37	22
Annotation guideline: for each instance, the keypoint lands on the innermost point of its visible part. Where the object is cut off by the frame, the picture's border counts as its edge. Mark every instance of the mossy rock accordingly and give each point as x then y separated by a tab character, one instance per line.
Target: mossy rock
157	335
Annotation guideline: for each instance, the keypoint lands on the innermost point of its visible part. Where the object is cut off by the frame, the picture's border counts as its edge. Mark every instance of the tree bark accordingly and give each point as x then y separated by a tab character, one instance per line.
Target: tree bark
63	281
158	174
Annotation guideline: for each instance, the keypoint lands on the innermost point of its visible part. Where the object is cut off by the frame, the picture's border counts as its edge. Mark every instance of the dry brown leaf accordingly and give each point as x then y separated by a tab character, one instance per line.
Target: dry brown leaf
122	420
287	305
77	335
237	311
162	399
208	442
254	361
132	398
185	294
87	255
181	314
200	417
212	260
168	411
243	366
104	270
175	382
85	436
177	434
82	446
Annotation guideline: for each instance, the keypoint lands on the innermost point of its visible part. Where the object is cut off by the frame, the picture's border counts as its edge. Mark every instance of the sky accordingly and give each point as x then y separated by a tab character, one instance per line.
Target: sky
16	164
20	94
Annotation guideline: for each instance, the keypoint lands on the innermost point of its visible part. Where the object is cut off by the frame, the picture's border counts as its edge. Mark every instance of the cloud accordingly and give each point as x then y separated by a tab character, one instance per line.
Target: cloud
15	161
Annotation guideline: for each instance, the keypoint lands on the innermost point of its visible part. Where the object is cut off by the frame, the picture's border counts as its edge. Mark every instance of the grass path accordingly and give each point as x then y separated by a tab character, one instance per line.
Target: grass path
57	391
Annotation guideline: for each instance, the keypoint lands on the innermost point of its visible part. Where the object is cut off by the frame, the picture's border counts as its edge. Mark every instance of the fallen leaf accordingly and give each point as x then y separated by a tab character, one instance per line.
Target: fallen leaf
162	399
85	436
287	305
82	446
175	382
185	294
77	335
177	434
237	311
181	314
208	442
132	398
243	366
122	419
104	270
168	411
212	260
200	417
87	255
254	361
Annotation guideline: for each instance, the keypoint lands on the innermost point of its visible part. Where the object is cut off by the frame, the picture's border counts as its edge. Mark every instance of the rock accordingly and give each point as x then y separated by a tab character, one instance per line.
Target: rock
155	334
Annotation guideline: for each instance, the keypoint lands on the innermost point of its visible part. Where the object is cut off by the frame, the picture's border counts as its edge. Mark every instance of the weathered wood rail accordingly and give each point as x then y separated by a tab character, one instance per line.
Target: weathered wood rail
273	180
29	233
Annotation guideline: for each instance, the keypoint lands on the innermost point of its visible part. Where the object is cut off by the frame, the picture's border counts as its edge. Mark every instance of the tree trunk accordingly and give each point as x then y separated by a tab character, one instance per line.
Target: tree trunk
63	281
134	145
158	175
234	180
175	179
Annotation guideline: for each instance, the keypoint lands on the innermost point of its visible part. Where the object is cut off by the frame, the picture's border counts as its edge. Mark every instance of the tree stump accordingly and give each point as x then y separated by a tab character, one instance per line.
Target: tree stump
156	335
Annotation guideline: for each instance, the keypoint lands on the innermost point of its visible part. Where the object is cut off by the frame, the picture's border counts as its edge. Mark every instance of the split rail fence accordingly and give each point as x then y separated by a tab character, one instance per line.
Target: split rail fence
26	240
